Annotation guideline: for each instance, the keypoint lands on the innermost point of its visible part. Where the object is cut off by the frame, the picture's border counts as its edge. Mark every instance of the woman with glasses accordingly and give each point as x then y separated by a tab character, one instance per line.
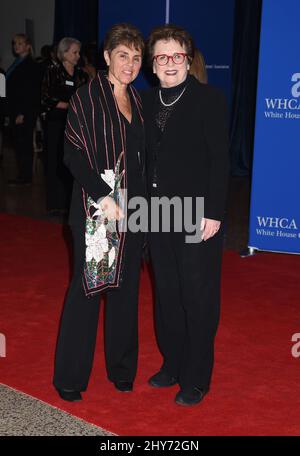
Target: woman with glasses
186	142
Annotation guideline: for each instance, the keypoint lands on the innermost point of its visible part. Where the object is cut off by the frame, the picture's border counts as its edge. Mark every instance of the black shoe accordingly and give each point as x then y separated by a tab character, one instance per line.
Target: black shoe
69	395
125	387
189	398
162	380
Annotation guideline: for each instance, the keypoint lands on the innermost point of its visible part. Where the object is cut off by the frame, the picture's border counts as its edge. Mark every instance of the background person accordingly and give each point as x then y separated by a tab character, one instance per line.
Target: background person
198	67
23	81
59	84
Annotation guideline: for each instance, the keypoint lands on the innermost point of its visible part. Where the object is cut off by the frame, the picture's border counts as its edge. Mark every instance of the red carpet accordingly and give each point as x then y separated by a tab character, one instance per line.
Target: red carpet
256	383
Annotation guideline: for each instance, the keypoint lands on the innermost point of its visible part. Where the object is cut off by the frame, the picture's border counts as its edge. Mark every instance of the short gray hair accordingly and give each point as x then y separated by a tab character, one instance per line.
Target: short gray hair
64	45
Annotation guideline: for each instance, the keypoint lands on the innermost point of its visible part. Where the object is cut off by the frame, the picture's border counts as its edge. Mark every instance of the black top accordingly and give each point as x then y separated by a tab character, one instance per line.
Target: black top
170	96
134	147
59	85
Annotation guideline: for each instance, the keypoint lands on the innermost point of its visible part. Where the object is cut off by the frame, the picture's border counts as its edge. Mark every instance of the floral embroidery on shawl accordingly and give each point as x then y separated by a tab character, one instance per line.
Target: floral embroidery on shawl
101	236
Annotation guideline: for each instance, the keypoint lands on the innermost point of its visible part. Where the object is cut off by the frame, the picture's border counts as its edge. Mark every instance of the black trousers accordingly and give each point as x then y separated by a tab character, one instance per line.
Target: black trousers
187	282
79	323
58	177
23	144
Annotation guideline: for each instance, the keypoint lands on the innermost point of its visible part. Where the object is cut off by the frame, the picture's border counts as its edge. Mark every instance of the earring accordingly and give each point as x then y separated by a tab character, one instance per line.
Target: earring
188	67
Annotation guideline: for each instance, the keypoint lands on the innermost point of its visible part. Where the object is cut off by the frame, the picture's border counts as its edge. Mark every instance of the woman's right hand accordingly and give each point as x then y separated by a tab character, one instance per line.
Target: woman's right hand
111	210
62	105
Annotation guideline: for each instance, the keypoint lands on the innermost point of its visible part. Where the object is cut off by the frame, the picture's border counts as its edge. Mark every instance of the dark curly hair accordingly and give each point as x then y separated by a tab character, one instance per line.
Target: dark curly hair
126	34
170	32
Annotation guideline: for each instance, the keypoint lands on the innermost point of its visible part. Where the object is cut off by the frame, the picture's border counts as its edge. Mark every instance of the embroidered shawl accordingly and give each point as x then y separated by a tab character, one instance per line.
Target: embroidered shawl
96	127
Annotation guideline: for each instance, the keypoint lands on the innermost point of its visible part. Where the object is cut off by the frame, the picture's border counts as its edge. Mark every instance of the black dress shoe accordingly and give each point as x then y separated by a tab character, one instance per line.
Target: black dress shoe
189	398
125	387
162	380
70	395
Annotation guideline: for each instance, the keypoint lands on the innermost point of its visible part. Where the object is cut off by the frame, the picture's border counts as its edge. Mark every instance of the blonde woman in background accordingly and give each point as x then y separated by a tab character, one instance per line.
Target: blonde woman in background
198	67
22	105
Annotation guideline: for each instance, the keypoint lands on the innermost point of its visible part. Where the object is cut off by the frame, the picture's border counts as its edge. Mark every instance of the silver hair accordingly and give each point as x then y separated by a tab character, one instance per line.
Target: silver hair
64	45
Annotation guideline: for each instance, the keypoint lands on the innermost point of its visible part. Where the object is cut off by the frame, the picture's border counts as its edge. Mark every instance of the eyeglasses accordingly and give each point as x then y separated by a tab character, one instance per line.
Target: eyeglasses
163	59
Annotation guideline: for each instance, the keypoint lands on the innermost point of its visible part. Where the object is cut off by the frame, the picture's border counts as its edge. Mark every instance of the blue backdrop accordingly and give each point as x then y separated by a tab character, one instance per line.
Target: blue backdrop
209	21
76	18
275	208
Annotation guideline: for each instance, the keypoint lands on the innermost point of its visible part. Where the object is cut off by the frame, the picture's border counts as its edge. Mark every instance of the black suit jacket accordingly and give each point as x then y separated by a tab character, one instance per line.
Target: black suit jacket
193	158
23	89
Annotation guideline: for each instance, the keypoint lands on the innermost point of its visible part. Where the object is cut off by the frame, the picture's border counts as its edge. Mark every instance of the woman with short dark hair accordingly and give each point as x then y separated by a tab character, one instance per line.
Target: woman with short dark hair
104	150
186	141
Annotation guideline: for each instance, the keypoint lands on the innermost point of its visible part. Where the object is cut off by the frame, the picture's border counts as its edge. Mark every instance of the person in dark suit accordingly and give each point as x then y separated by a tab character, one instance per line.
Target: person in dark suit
23	79
104	150
187	156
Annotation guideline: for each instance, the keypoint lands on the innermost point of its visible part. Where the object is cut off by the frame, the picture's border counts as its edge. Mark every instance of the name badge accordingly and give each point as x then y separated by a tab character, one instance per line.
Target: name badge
69	83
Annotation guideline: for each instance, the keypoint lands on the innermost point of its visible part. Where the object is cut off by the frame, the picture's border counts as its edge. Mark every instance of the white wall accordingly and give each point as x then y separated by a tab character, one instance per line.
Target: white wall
12	20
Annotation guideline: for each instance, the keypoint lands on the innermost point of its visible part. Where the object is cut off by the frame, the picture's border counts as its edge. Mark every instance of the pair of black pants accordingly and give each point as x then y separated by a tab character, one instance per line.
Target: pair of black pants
58	177
187	283
78	330
23	143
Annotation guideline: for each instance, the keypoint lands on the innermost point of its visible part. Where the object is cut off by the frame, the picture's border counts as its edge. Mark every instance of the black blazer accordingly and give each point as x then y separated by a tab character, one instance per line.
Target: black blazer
23	89
193	158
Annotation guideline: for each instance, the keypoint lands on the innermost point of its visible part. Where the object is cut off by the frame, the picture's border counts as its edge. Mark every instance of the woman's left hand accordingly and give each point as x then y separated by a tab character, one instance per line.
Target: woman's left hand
209	228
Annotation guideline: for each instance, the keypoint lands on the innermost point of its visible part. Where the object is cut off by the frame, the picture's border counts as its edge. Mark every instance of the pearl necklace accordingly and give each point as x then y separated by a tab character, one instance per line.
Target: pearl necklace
173	102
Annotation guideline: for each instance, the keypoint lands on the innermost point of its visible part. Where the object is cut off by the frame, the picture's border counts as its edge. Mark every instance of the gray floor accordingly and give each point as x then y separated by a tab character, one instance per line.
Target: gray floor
23	415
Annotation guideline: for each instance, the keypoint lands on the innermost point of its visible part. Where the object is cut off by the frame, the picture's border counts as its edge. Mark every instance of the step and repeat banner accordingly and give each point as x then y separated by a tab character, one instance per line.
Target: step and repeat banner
275	196
209	21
